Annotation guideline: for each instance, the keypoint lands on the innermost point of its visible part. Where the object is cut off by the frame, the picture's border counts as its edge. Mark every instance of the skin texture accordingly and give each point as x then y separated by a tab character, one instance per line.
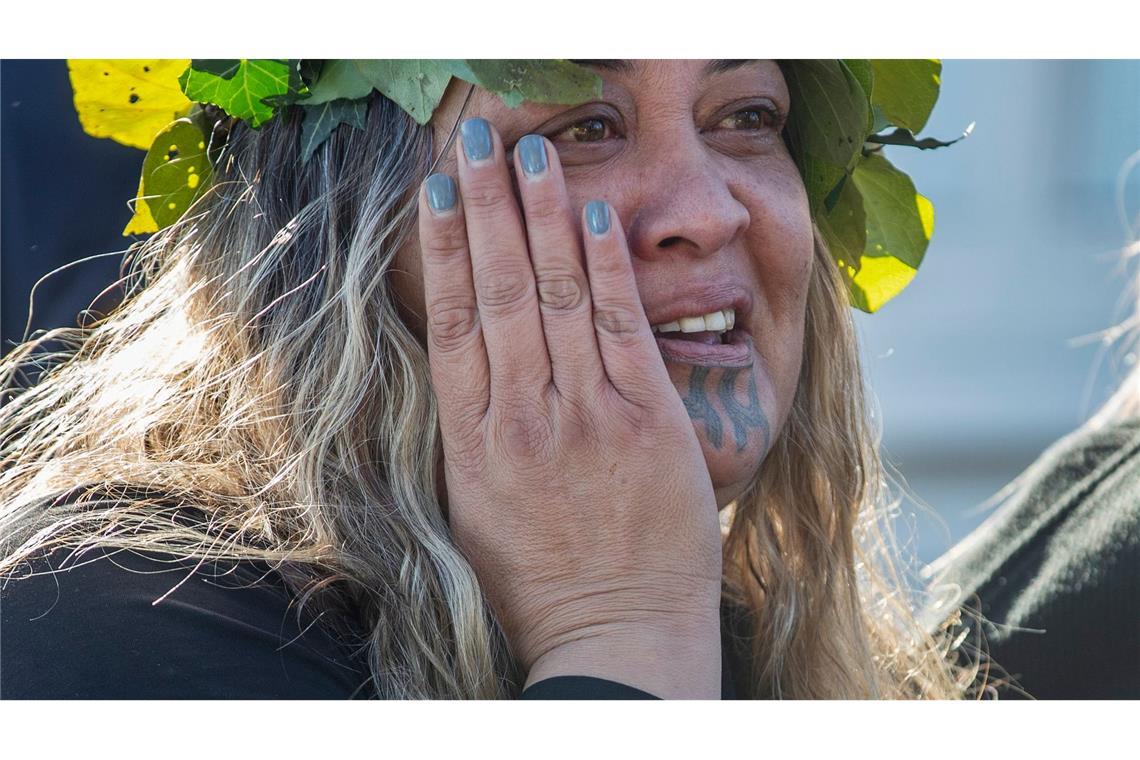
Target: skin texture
704	196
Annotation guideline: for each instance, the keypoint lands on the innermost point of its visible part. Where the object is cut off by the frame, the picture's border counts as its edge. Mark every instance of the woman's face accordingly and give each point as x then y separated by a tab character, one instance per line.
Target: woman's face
689	155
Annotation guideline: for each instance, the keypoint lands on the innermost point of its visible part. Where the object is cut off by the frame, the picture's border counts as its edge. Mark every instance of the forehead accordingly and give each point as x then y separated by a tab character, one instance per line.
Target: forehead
681	68
628	79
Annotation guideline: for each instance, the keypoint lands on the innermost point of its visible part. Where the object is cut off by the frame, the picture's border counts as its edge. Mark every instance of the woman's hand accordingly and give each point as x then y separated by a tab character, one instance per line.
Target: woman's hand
576	485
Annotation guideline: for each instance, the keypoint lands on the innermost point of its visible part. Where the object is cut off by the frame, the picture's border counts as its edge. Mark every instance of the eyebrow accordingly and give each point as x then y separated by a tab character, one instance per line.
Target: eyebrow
620	66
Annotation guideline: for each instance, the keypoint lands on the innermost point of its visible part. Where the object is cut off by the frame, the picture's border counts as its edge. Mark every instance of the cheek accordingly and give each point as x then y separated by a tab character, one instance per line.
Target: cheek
781	241
782	253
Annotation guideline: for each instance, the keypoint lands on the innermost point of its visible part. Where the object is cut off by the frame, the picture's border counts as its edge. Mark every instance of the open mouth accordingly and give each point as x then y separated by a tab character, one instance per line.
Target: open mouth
712	328
710	339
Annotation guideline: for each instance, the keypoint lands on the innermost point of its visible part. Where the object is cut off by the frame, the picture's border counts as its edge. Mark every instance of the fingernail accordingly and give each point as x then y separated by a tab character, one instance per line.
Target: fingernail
476	139
440	192
531	151
598	217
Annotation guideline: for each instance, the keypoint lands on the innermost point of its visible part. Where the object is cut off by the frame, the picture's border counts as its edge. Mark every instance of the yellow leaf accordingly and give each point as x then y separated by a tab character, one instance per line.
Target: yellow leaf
925	213
142	222
129	101
880	279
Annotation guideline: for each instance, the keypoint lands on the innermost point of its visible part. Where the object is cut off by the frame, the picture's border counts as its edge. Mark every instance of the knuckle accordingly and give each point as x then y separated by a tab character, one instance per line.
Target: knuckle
562	291
445	240
617	322
503	287
546	207
452	323
487	200
524	435
611	266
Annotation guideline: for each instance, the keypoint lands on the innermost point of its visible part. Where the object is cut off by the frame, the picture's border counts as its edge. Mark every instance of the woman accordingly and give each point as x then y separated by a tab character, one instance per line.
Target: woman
269	396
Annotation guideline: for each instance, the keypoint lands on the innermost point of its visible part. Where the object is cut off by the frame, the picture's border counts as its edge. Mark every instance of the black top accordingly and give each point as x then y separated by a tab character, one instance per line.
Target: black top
1056	571
224	630
128	625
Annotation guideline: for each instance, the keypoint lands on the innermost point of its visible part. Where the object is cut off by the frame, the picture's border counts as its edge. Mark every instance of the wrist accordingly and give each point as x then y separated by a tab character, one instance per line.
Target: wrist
668	660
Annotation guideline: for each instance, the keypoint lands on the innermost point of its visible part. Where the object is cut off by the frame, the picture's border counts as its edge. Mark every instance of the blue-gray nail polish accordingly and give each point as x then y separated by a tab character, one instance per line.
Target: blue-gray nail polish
531	151
477	143
440	192
598	217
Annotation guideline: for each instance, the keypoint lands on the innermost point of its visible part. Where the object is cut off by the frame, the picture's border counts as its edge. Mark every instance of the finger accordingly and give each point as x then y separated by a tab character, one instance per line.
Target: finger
628	349
458	357
563	290
501	268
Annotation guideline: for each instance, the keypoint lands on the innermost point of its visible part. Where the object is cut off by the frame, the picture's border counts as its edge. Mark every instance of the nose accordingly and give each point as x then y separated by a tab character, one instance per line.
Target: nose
685	206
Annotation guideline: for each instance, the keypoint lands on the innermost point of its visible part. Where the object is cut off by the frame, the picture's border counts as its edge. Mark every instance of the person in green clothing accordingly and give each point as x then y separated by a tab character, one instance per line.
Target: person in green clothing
1054	573
544	401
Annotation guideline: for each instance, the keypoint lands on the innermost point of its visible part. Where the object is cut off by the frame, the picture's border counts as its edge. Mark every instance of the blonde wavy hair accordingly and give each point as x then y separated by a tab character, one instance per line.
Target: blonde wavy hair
257	395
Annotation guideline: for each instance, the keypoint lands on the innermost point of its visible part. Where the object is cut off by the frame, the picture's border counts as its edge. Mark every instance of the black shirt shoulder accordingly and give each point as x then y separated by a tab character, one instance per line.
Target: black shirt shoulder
124	624
120	624
1055	572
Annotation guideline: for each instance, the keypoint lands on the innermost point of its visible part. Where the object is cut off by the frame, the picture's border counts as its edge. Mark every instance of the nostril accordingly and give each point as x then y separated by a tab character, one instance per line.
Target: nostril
669	241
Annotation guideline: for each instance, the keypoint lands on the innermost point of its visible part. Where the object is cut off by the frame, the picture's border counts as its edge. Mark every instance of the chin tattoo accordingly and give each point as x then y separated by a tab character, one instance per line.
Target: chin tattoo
743	417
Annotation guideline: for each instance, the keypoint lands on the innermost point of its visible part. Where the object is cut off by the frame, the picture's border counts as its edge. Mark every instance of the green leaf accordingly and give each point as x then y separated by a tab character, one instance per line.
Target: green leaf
896	225
899	225
860	68
827	124
829	110
298	91
844	227
461	70
417	86
537	81
906	90
320	121
220	67
310	68
905	138
175	173
339	79
241	90
820	177
879	119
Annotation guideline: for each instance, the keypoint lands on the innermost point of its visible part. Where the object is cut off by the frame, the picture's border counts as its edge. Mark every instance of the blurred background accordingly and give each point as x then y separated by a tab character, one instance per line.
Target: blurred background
976	366
63	197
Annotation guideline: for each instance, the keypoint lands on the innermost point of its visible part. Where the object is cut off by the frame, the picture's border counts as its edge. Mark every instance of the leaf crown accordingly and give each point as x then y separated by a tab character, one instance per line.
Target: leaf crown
876	225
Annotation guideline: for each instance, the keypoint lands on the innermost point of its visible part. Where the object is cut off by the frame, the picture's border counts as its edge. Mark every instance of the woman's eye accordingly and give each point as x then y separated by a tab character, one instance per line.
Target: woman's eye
587	130
750	119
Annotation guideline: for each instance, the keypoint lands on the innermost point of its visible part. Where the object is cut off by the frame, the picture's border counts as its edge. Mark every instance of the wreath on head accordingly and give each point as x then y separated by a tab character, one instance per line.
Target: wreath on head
875	223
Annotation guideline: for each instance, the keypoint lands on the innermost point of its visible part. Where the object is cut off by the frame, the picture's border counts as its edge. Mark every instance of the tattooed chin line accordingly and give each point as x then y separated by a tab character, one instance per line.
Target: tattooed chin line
744	418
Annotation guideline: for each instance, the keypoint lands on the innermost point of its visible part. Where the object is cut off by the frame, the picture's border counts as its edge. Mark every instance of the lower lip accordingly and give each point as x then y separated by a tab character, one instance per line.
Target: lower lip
736	353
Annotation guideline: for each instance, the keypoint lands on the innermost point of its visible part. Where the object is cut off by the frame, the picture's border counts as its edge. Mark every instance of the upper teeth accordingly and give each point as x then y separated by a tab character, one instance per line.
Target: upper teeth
717	321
